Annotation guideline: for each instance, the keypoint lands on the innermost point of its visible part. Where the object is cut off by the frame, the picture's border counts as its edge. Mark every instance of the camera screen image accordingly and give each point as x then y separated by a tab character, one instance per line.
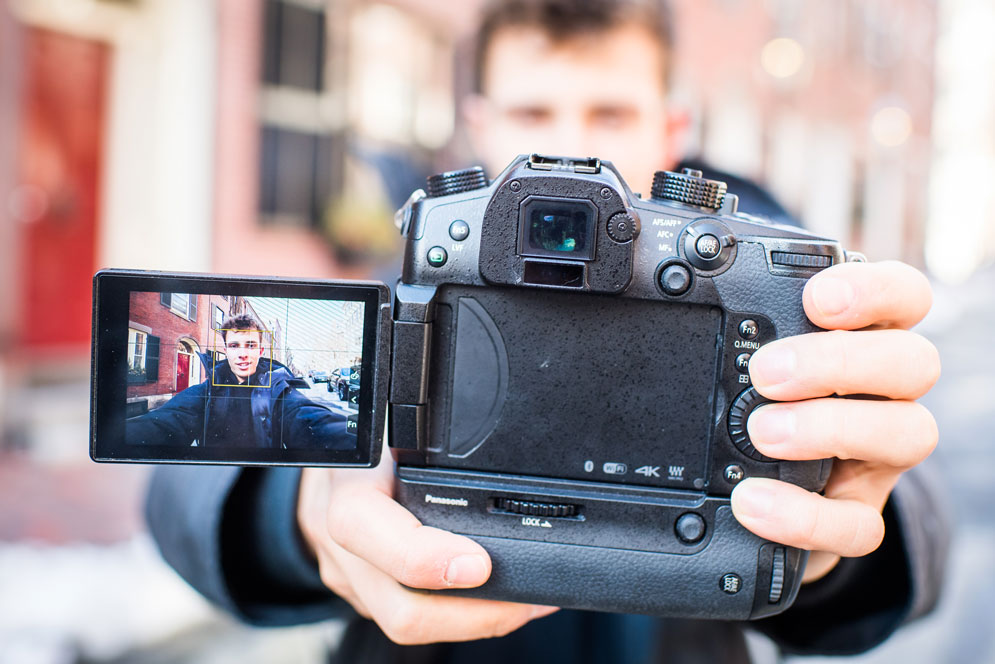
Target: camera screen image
557	227
232	370
242	371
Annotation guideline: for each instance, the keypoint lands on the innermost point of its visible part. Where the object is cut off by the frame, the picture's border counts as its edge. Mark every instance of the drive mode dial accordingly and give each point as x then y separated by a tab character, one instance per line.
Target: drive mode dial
455	182
688	187
739	412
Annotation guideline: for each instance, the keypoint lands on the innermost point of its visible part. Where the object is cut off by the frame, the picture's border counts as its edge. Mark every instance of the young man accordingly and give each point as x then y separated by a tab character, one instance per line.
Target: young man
245	401
589	78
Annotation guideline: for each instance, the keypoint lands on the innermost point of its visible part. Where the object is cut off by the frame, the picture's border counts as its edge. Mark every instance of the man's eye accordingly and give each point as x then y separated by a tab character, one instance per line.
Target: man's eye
610	116
252	344
529	115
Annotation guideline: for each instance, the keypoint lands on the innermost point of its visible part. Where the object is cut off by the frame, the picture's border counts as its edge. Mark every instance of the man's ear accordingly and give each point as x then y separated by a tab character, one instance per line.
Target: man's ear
677	122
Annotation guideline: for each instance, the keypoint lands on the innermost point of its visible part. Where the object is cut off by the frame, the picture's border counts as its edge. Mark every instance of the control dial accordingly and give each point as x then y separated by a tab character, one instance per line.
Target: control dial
455	182
688	187
622	227
739	412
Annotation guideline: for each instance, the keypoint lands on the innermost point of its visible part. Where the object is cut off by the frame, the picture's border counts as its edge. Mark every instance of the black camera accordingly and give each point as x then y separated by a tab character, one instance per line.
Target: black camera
566	366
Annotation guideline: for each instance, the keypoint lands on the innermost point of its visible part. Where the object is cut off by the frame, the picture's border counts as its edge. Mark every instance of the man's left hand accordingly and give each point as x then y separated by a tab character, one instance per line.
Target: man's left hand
868	354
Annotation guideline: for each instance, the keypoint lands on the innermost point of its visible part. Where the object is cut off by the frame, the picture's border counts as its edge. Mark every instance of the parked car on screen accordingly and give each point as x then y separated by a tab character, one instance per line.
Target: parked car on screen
336	376
347	384
318	376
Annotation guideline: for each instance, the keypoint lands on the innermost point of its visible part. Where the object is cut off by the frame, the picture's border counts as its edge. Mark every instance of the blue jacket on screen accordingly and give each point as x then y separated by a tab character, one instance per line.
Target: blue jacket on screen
266	412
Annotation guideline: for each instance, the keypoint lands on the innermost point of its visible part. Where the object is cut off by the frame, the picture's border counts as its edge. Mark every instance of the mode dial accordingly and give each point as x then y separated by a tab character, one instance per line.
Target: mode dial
688	187
455	182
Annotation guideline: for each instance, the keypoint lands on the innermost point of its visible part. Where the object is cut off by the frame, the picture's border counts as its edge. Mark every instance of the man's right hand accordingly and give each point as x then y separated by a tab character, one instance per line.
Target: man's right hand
375	554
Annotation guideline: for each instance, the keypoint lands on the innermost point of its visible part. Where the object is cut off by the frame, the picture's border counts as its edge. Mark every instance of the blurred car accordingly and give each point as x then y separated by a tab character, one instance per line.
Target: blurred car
319	376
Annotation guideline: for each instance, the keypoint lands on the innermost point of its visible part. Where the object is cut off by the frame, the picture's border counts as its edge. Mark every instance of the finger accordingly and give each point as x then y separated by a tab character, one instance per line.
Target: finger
411	616
851	296
895	433
369	524
336	580
890	363
786	513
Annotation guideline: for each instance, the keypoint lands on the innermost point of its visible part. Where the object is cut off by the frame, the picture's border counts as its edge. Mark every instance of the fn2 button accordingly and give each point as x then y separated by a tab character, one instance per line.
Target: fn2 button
748	329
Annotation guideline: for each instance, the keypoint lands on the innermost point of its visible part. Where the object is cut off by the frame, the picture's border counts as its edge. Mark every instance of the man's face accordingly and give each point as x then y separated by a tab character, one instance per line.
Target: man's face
243	348
600	94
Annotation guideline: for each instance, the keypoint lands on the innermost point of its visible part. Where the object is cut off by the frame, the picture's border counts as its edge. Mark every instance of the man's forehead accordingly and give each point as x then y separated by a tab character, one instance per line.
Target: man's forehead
240	335
610	66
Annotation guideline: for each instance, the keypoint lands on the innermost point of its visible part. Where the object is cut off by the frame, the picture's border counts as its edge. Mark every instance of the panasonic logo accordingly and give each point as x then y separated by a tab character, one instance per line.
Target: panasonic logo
438	500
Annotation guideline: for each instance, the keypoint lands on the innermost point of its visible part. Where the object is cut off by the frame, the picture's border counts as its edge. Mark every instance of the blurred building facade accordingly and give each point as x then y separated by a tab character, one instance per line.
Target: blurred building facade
277	136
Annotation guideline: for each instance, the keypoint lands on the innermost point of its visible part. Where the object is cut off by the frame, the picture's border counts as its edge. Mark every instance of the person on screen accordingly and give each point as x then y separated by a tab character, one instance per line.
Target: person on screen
247	400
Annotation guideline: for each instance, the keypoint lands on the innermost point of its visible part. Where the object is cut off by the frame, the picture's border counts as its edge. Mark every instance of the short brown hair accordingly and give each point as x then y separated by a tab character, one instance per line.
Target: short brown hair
241	322
562	20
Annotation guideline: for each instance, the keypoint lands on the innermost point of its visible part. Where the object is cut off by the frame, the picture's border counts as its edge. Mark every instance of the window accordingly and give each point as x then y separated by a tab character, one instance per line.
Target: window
295	176
301	152
181	304
143	357
294	45
219	317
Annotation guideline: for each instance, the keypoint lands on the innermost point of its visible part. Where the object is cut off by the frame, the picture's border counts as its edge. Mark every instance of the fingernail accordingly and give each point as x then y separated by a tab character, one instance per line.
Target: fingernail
755	500
832	296
466	571
772	425
542	611
772	365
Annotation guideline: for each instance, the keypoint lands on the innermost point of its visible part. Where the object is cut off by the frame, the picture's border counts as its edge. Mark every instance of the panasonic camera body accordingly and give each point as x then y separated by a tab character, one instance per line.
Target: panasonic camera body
563	377
570	383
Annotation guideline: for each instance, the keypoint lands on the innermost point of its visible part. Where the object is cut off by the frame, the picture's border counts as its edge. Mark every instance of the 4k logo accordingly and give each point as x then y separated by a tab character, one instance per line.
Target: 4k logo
649	471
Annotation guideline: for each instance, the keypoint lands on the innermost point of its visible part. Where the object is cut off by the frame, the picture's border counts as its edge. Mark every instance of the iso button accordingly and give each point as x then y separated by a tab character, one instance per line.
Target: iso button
437	257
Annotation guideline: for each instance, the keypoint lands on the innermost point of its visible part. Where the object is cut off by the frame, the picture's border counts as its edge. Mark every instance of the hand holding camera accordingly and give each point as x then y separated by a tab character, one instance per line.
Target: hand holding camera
874	436
377	556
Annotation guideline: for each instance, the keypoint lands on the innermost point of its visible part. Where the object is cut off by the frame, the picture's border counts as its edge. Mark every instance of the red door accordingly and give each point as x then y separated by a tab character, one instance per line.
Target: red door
182	371
59	160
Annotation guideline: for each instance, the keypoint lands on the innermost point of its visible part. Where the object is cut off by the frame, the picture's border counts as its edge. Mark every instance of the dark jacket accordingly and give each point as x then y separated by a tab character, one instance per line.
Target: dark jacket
266	412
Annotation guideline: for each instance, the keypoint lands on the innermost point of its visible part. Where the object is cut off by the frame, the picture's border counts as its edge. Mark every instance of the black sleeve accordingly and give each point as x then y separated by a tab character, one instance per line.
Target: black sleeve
307	425
864	600
177	422
232	534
